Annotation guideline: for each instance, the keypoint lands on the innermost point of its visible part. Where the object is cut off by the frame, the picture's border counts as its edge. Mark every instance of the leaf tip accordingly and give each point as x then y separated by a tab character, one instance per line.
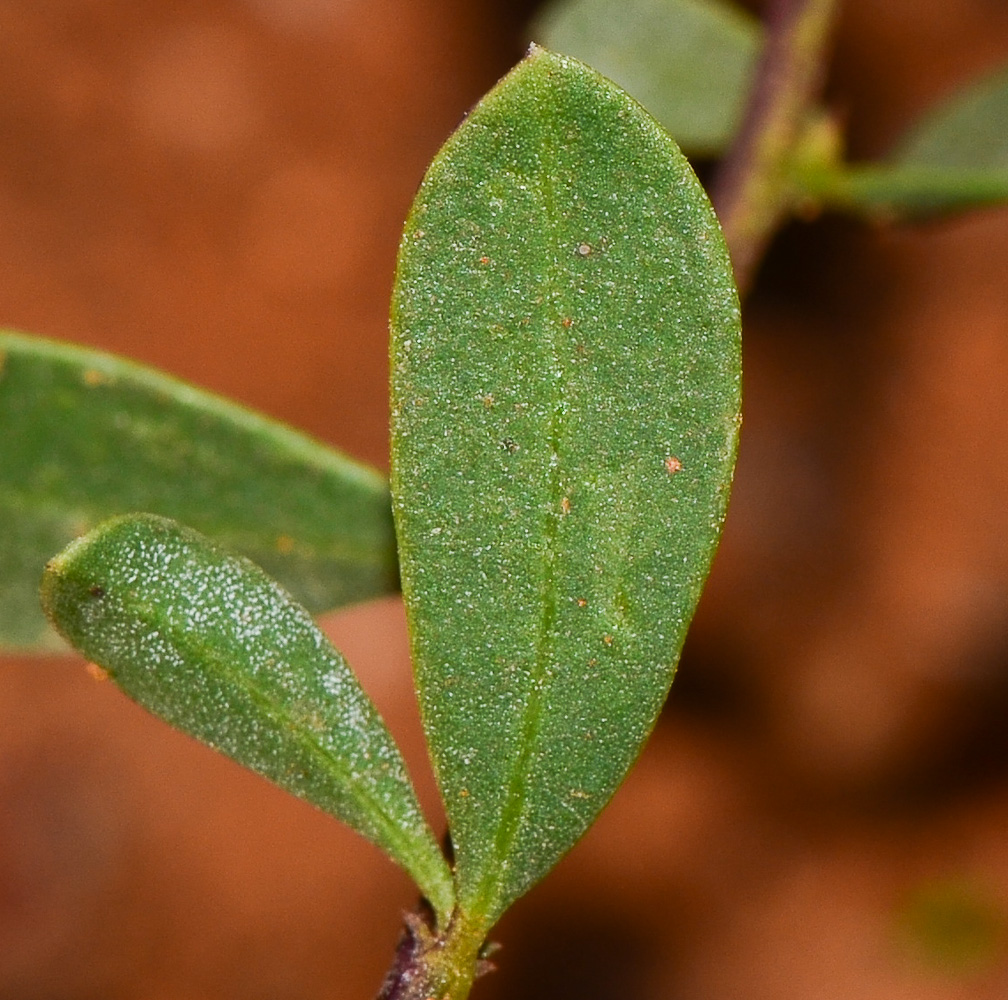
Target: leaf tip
68	583
52	575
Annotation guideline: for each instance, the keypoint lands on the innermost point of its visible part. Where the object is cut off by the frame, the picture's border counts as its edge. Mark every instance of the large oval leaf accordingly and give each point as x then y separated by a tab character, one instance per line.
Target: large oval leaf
689	62
84	436
209	643
566	376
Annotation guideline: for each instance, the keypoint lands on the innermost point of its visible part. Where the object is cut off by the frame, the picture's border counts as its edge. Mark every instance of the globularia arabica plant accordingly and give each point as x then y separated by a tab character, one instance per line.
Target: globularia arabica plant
565	411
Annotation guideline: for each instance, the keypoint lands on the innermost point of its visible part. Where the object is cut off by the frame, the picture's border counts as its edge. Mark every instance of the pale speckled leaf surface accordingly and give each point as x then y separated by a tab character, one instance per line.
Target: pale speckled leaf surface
208	642
689	62
85	436
566	392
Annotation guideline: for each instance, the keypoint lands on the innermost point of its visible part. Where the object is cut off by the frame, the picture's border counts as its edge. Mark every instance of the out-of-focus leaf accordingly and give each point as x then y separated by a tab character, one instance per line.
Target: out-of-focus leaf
902	192
954	159
968	130
212	645
689	62
566	372
84	436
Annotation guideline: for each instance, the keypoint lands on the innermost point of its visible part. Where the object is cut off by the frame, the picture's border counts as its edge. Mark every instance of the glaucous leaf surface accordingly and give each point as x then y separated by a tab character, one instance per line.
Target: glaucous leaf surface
84	436
566	382
689	62
208	642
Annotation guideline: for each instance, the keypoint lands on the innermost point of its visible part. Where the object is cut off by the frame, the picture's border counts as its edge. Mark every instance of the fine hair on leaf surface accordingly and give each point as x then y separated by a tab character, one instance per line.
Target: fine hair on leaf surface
565	405
209	643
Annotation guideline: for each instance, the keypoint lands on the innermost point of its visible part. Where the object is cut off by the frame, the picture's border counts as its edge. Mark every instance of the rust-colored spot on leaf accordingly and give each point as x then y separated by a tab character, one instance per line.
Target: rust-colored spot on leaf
95	672
672	465
607	639
92	378
284	544
565	506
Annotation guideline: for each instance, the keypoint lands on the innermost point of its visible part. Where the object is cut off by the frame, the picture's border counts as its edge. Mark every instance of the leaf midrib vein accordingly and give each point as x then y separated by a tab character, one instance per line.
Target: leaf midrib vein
492	887
407	849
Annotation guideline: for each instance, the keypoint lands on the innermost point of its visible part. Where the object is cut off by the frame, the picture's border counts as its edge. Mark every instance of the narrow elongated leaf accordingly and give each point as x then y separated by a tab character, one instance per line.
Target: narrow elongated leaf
84	436
689	62
565	348
209	643
904	191
968	130
954	159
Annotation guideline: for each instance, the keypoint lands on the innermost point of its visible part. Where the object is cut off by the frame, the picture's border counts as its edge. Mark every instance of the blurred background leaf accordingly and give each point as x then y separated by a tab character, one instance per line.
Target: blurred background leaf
955	158
689	62
84	436
969	129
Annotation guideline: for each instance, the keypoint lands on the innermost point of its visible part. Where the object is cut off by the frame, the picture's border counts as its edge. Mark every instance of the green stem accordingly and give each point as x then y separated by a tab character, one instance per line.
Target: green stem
902	190
433	965
753	191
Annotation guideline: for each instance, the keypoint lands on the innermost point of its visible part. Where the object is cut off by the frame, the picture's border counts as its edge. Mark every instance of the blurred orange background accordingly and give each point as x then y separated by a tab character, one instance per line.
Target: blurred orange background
217	188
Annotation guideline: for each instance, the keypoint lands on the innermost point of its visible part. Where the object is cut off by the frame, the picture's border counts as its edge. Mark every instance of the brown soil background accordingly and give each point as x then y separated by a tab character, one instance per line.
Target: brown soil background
217	188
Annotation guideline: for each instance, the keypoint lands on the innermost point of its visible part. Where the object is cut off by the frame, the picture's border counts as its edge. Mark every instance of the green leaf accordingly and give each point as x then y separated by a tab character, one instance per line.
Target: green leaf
969	130
902	192
566	378
954	159
689	62
84	436
208	642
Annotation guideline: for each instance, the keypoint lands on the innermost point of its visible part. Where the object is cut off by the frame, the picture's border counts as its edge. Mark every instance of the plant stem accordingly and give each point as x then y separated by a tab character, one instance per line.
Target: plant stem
904	191
752	192
432	965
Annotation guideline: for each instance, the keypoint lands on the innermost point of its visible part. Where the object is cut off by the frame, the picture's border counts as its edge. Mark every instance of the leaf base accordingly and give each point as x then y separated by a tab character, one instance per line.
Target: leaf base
435	966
